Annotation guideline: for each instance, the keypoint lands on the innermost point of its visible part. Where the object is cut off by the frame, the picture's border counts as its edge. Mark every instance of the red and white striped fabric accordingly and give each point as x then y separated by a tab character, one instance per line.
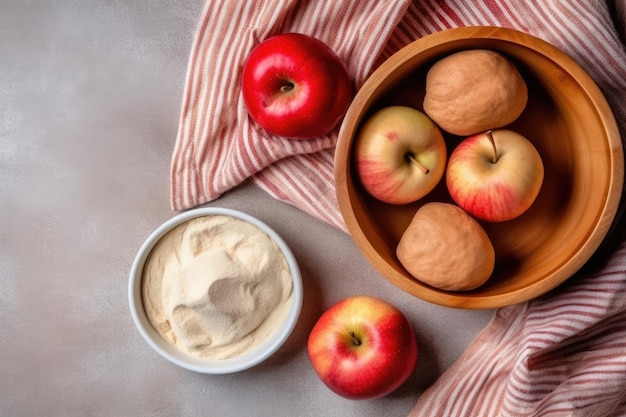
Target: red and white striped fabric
560	355
563	354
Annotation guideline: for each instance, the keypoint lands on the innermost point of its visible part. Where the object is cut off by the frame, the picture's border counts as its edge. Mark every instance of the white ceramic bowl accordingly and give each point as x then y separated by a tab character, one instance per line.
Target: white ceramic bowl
202	365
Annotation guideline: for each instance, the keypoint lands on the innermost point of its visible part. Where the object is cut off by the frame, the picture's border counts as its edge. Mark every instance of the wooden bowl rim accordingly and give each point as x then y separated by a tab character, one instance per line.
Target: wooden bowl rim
373	88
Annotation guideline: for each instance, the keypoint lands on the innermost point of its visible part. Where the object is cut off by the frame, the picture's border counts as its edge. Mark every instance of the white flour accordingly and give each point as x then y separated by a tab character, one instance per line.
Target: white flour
216	286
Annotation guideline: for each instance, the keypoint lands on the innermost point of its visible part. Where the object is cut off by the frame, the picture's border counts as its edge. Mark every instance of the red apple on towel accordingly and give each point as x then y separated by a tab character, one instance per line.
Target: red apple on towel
295	86
495	176
363	347
400	155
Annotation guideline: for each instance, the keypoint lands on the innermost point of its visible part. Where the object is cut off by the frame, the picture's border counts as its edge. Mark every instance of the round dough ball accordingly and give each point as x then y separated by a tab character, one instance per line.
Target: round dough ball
446	248
473	91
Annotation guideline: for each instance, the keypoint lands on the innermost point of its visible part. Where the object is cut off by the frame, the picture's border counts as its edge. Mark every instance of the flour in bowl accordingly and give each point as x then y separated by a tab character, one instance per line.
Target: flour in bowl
216	286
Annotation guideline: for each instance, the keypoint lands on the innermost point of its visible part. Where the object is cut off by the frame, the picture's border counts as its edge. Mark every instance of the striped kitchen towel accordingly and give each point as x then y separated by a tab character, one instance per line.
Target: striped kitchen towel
563	354
560	355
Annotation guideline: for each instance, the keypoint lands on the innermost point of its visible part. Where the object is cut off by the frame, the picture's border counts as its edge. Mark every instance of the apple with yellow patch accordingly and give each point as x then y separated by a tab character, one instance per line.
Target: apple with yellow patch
400	155
496	175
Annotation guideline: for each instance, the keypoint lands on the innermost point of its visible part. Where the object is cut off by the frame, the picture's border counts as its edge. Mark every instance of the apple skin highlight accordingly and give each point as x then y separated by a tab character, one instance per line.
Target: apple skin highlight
363	348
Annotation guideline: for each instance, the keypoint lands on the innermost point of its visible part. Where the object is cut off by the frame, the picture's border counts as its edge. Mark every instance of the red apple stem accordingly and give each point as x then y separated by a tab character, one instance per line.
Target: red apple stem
489	134
355	339
288	86
411	158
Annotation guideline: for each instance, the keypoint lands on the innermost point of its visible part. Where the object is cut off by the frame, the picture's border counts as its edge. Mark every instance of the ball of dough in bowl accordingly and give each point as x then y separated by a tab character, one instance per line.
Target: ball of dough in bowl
446	248
473	91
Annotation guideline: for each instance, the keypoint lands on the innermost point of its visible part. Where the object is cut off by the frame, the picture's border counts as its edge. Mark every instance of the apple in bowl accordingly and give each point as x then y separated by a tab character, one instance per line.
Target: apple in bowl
363	348
400	155
295	86
495	176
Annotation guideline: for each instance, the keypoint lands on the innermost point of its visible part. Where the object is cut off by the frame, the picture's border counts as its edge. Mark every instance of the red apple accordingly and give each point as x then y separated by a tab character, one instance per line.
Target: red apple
295	86
495	176
363	347
400	155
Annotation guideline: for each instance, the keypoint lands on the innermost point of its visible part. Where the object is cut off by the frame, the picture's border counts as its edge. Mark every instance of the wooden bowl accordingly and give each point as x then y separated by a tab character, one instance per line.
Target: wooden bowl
570	124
